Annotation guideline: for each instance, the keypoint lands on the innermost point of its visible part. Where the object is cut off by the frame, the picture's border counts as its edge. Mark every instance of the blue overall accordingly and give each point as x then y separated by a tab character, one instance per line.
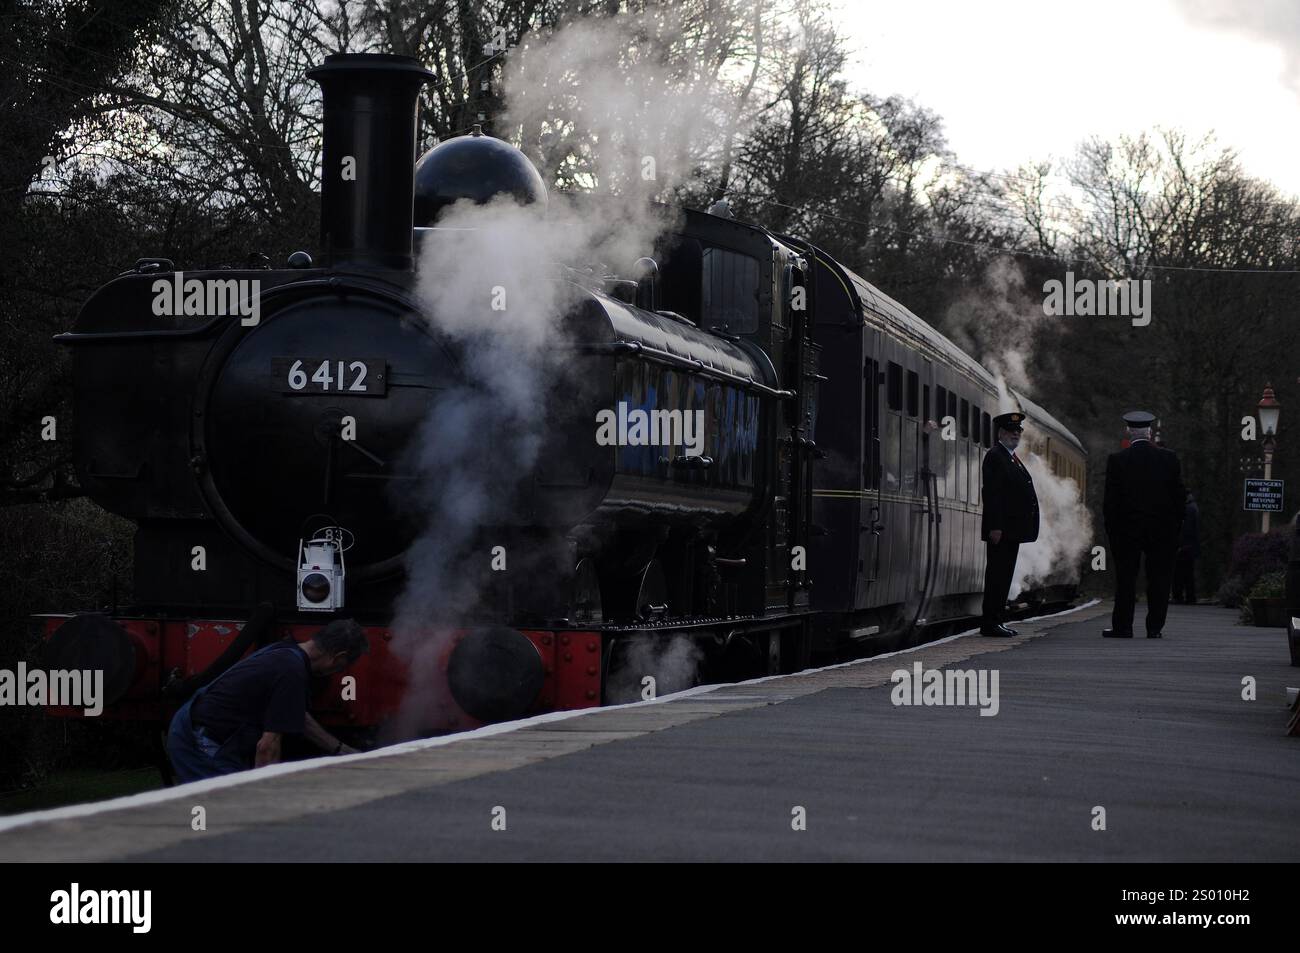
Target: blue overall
194	755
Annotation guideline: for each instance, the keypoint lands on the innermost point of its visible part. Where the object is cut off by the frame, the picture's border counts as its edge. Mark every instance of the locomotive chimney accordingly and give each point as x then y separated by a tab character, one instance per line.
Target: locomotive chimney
368	157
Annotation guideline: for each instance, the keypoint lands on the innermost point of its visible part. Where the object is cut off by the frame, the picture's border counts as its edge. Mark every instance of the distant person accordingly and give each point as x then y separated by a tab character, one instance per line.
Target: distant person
238	721
1189	547
1143	513
1010	518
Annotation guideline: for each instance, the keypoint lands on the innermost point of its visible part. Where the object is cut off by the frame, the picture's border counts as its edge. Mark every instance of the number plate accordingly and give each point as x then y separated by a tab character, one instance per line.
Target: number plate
335	376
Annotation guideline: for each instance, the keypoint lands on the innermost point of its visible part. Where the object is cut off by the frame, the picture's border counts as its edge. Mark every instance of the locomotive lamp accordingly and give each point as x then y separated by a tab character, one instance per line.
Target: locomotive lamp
321	571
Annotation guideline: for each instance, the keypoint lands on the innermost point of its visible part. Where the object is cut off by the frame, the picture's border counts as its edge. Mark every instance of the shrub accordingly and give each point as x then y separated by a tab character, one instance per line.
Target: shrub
1271	585
1254	555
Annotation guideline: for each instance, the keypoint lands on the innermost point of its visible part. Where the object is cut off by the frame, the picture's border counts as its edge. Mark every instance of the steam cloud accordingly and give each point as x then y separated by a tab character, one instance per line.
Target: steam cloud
673	663
1065	530
999	323
483	433
602	96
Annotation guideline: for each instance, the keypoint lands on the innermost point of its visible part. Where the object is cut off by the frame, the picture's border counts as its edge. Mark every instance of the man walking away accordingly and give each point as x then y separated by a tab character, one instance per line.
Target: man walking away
1143	513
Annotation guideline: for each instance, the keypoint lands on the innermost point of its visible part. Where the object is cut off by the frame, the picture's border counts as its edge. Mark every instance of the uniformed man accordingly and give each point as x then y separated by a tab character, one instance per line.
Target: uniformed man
1010	518
1143	513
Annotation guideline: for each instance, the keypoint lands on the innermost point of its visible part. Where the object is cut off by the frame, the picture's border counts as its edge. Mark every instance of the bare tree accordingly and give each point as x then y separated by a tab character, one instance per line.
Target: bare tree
54	58
1217	246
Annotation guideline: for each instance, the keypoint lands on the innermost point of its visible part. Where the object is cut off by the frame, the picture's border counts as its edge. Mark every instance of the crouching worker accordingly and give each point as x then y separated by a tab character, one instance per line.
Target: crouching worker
237	721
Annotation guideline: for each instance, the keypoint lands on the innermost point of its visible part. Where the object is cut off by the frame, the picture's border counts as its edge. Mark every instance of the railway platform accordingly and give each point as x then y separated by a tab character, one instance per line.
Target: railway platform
1071	747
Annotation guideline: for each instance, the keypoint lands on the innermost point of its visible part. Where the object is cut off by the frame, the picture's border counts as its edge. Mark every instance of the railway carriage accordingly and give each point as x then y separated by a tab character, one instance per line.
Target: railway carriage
898	495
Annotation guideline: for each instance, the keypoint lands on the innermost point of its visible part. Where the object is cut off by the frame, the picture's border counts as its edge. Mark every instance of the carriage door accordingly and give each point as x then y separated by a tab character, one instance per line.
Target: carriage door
927	507
803	370
914	502
871	523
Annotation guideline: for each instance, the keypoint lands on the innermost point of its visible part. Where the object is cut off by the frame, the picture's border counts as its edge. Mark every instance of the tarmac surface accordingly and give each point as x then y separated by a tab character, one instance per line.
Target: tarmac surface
1154	732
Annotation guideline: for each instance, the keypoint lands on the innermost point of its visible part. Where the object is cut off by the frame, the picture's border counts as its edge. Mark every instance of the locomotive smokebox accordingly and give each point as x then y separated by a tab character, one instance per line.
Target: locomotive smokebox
368	157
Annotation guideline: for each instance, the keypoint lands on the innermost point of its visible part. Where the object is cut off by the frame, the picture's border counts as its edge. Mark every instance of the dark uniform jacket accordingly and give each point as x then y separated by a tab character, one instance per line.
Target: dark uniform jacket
1010	503
1145	497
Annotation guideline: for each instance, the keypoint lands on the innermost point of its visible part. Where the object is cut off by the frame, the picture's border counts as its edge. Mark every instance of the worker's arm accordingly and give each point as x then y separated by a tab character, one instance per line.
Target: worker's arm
322	739
268	749
993	495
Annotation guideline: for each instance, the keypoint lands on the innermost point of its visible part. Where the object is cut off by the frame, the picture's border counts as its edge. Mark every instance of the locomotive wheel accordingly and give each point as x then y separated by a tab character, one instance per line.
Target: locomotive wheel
652	595
585	607
743	656
623	566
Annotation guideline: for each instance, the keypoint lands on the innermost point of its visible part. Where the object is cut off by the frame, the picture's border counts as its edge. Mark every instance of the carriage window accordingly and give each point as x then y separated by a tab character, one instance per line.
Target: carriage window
892	451
940	404
962	471
965	418
952	405
894	386
943	479
730	291
976	475
988	432
913	403
909	456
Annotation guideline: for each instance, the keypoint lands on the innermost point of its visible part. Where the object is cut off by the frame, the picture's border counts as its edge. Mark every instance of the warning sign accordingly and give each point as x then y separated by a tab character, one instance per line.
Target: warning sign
1263	496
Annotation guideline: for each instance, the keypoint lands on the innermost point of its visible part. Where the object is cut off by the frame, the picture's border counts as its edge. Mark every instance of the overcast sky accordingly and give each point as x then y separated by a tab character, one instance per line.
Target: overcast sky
1022	80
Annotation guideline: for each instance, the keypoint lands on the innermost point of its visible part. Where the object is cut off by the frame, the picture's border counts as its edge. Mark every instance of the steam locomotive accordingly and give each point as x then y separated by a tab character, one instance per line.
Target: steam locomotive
257	443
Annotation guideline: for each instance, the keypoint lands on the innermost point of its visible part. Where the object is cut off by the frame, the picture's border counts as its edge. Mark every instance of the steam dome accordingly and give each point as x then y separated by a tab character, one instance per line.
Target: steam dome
475	167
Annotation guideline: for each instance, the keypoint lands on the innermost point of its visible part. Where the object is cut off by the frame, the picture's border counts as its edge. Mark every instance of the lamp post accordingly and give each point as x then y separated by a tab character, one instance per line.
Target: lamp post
1269	412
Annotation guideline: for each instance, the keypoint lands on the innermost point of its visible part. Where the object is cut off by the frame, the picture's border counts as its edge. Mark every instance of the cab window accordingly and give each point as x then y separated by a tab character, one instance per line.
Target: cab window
729	294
